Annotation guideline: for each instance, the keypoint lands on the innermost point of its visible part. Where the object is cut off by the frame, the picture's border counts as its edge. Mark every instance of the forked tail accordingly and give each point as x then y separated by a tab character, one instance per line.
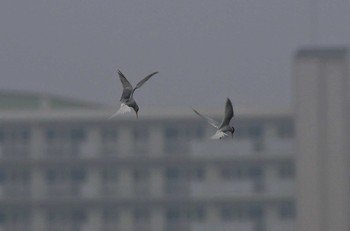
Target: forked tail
122	110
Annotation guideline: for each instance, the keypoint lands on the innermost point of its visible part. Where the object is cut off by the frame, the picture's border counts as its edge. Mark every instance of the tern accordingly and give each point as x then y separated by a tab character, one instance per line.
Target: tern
224	128
127	98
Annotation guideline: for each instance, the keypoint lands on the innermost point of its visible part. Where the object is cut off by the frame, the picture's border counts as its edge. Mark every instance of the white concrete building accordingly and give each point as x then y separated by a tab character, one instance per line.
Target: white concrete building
64	166
322	124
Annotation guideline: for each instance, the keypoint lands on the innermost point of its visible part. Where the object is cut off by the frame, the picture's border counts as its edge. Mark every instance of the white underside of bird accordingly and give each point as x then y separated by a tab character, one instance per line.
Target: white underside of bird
218	135
122	110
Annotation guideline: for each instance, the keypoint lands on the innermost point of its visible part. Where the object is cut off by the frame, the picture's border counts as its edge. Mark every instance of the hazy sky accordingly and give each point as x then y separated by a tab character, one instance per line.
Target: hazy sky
204	50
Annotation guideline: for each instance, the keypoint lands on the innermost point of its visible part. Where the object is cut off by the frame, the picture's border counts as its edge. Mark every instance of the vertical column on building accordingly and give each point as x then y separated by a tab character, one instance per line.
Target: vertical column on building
37	146
322	124
336	134
269	137
157	219
126	219
156	141
212	177
157	182
38	217
90	148
92	186
125	182
125	140
212	216
309	158
37	154
94	220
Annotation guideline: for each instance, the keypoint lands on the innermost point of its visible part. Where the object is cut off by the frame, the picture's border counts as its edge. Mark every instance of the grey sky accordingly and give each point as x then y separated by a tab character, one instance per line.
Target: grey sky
204	50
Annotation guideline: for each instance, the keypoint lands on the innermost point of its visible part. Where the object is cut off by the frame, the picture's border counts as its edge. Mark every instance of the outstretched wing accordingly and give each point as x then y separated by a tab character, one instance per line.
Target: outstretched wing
228	113
127	88
139	84
210	120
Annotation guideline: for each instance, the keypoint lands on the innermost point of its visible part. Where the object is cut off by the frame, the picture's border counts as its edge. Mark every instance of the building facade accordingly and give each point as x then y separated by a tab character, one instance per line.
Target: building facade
68	168
322	123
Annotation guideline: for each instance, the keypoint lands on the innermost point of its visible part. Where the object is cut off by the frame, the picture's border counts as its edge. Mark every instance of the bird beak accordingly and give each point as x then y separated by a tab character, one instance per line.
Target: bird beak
232	135
137	115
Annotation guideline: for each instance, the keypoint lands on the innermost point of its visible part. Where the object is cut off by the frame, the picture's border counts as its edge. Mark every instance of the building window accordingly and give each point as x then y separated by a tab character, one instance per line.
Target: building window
109	146
140	175
109	135
64	142
172	174
140	145
69	175
232	172
78	135
193	132
285	131
141	134
199	131
64	182
176	181
141	182
16	183
242	212
173	215
15	219
171	133
110	175
110	219
286	171
255	132
231	213
15	142
73	135
286	211
197	174
110	182
2	135
63	219
141	219
255	212
196	214
255	171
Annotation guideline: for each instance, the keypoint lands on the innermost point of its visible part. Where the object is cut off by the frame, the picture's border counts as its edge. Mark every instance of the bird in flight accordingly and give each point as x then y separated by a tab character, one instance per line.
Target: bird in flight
224	128
127	98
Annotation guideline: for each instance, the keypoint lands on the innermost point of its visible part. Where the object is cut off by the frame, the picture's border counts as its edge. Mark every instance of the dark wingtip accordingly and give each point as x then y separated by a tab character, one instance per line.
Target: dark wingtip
195	111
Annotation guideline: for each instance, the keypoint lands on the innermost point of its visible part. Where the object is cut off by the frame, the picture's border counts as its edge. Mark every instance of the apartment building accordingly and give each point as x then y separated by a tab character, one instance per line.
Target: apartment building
65	167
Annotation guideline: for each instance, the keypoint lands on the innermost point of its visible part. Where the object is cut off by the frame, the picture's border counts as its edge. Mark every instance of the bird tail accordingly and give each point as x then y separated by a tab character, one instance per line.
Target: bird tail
122	110
218	135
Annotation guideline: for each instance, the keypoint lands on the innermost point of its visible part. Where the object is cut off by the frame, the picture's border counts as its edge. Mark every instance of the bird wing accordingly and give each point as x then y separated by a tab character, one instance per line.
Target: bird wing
228	113
127	88
139	84
210	120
